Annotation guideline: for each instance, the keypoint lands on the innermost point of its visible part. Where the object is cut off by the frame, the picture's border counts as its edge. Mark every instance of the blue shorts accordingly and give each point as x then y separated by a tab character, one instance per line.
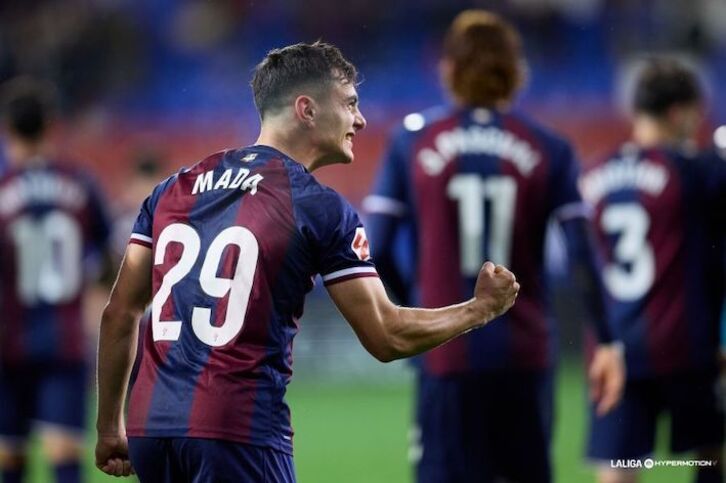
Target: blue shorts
50	394
197	460
483	427
628	431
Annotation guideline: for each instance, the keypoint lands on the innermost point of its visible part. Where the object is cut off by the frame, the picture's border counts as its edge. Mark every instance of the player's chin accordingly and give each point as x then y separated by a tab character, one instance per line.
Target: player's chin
346	155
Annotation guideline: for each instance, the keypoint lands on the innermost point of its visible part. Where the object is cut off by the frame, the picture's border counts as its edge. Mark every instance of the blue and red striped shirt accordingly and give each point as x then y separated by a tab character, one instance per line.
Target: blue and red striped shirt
476	185
660	220
236	241
54	224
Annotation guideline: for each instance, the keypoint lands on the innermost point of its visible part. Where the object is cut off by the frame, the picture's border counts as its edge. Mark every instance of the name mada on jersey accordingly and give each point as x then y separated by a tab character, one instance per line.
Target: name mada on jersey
228	180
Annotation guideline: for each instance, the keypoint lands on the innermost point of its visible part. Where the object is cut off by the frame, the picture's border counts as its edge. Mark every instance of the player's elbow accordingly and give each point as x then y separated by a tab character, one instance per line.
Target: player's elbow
381	350
387	348
394	346
381	333
118	318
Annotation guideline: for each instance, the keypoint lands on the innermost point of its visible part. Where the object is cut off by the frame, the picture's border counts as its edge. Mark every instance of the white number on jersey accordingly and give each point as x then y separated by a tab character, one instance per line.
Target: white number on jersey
630	222
49	257
472	191
238	287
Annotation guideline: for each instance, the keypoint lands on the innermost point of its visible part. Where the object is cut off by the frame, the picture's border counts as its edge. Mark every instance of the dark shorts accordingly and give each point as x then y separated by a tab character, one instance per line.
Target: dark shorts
196	460
483	427
628	432
49	394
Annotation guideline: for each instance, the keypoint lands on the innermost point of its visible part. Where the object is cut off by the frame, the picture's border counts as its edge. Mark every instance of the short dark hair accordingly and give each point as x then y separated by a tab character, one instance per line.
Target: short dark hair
284	71
663	83
27	106
486	56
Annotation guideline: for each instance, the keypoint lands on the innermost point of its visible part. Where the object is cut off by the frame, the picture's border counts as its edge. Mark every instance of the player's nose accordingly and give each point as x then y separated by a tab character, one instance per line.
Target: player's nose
359	122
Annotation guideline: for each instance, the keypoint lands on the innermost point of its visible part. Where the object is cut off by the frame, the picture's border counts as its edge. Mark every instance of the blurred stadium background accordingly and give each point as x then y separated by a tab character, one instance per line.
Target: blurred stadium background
167	80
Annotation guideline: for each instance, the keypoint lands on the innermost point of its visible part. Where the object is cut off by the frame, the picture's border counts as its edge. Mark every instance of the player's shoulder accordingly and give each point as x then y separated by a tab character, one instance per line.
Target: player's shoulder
320	205
713	156
527	127
308	192
416	124
626	151
69	173
65	168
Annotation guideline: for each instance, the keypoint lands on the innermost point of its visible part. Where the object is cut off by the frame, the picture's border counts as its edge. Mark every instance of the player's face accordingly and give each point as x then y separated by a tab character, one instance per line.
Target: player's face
690	120
338	122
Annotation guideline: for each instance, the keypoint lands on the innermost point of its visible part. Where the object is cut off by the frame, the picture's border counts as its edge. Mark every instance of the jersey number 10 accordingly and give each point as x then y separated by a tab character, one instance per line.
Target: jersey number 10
49	256
238	287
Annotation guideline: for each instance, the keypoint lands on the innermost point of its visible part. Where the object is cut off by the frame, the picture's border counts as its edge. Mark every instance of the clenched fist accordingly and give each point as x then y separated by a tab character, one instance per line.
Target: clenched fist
495	292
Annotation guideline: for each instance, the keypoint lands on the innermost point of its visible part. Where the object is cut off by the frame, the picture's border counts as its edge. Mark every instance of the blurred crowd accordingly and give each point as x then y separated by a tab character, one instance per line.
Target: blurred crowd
170	56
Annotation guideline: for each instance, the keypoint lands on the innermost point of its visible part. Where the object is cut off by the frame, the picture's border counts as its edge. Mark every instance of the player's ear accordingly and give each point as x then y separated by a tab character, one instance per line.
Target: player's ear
305	109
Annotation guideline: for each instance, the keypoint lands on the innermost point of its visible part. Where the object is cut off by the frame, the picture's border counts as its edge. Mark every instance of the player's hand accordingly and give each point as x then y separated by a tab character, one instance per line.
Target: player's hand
607	377
112	455
496	290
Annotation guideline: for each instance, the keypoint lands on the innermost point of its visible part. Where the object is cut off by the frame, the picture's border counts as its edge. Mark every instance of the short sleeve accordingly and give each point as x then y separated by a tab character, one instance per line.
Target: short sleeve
566	201
389	195
339	239
141	233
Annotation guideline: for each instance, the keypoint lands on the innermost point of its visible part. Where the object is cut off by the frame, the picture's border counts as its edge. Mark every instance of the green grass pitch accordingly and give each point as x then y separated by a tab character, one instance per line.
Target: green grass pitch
357	433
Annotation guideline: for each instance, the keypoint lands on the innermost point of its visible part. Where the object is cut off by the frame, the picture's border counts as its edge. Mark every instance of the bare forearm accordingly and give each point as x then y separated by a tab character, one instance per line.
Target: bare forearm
116	353
414	330
390	332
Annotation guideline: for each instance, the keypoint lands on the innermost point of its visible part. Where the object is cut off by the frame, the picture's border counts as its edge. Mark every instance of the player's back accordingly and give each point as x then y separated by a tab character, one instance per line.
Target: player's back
236	240
52	221
482	185
656	217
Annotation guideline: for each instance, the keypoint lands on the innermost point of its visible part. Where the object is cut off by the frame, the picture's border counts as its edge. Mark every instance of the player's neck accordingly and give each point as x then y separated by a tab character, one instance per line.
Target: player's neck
653	133
291	145
23	153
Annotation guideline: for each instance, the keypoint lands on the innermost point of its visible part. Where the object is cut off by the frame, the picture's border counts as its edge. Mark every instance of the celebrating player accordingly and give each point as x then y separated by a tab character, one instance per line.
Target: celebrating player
225	252
659	213
52	221
478	182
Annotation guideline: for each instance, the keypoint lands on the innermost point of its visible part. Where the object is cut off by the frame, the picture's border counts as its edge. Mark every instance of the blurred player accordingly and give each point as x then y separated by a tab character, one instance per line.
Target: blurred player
52	222
225	251
146	173
478	182
659	212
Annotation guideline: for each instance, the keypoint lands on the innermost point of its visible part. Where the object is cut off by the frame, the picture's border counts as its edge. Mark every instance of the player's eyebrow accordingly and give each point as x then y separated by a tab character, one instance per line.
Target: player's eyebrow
352	98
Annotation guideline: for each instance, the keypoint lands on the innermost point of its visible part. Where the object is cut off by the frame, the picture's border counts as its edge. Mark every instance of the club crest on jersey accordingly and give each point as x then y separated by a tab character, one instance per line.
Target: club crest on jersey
227	180
360	244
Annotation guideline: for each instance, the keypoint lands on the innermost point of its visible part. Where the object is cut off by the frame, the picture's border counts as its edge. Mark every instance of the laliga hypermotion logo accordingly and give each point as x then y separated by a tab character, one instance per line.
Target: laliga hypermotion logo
360	244
650	463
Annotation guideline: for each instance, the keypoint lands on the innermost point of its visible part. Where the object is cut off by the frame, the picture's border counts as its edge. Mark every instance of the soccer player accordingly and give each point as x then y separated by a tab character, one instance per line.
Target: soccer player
475	182
52	225
659	213
225	251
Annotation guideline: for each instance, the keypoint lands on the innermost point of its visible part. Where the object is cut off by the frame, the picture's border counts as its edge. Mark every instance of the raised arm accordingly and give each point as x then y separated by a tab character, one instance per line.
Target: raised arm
116	351
391	332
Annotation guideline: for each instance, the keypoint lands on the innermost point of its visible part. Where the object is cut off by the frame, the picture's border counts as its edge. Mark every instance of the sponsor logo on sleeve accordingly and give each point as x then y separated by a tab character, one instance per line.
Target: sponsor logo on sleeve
360	244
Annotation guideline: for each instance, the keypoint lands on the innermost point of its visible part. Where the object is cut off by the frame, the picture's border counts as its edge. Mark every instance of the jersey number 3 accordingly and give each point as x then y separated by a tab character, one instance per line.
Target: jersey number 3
631	223
238	287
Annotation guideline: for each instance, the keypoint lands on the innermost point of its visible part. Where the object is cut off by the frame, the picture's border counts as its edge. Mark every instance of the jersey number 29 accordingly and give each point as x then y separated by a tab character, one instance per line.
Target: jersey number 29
238	287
